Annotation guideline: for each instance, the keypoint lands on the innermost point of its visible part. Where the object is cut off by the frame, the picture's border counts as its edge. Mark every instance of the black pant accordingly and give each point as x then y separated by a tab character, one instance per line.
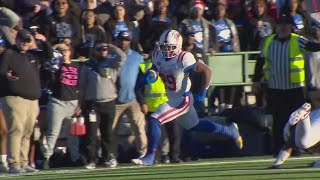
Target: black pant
105	112
281	104
226	94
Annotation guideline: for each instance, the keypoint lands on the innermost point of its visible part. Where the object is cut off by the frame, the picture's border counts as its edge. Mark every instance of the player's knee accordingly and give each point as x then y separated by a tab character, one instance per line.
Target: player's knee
155	120
303	143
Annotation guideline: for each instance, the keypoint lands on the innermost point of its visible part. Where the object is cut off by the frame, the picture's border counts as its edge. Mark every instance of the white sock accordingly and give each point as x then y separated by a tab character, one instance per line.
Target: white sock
228	106
3	159
282	157
222	107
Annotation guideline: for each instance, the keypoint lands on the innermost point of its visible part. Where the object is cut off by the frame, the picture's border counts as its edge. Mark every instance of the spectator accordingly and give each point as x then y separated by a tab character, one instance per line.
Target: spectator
8	21
91	33
203	28
126	101
291	9
284	73
153	25
181	9
20	84
259	27
62	24
98	95
88	4
237	12
3	129
226	34
63	104
30	11
103	11
227	40
312	70
11	4
119	21
3	143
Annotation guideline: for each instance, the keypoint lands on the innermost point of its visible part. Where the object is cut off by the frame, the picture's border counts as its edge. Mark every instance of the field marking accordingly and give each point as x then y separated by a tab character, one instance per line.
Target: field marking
74	171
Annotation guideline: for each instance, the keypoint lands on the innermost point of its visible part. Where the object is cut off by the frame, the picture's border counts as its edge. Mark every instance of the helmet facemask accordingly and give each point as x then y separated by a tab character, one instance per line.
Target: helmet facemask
168	50
170	43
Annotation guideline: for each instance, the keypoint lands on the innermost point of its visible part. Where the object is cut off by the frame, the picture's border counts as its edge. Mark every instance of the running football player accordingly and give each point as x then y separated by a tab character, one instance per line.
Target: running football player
173	66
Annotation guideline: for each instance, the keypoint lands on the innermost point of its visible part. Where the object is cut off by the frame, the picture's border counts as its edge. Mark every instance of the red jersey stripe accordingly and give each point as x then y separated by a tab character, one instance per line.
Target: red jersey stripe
181	105
177	113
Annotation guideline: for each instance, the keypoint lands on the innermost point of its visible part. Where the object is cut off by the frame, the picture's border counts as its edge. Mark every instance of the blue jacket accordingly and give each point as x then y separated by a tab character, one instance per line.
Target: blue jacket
128	77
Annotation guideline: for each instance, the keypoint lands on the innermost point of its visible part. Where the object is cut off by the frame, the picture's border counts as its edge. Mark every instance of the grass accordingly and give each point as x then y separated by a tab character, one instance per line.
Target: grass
246	168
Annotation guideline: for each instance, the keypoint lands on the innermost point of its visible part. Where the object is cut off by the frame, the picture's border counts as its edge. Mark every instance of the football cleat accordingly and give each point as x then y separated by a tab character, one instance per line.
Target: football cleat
316	164
147	160
238	141
275	167
301	113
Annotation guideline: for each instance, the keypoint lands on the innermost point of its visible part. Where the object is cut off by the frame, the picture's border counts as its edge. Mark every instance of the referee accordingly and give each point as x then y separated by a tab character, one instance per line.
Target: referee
281	67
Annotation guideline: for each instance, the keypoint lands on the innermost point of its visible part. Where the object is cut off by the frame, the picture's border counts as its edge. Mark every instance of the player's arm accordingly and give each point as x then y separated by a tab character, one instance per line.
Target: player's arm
190	65
150	76
206	71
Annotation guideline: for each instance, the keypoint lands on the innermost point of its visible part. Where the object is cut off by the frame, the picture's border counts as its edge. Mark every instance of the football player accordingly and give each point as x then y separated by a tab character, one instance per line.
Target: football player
302	131
173	66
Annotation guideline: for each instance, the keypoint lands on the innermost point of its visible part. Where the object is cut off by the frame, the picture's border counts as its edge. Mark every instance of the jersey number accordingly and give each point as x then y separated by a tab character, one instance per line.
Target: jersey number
169	81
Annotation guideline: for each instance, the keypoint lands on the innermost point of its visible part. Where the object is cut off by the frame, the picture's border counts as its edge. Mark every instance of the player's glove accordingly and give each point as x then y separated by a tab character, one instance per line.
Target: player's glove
199	98
149	77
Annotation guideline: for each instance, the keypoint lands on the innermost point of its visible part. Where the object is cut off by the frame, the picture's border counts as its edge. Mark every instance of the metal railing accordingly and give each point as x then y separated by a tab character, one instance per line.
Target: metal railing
232	69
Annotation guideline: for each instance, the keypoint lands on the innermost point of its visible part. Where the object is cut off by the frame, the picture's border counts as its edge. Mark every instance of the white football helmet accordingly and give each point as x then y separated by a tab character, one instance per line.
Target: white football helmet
170	43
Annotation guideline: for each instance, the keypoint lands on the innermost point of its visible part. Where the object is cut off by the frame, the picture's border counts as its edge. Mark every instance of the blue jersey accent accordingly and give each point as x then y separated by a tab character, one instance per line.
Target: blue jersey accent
223	34
198	34
298	21
190	68
156	19
120	26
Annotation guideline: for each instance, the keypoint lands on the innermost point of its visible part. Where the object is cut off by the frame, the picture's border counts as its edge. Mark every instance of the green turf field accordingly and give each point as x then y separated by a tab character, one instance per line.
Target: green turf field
245	168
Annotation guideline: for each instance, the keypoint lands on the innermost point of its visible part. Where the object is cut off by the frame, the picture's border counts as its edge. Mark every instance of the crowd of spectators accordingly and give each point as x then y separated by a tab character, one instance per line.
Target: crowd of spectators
111	38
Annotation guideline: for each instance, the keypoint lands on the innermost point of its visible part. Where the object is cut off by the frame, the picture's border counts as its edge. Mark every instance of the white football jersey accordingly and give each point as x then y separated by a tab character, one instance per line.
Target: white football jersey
172	72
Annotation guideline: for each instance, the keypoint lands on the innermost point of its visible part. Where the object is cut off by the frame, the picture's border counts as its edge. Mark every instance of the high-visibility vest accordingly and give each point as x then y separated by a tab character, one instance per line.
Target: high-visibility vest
155	93
296	63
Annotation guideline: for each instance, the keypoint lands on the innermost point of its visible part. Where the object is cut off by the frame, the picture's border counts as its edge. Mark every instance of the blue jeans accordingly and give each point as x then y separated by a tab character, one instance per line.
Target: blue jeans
57	112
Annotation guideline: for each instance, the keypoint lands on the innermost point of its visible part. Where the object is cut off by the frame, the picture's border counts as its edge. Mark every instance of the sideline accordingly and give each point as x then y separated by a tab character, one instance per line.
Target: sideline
76	171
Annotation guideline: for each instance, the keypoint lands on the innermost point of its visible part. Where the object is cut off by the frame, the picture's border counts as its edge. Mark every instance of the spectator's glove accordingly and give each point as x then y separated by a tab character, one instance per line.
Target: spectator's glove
149	77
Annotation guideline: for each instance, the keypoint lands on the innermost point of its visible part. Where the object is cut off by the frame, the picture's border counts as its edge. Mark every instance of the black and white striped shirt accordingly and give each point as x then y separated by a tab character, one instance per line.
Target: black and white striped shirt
278	55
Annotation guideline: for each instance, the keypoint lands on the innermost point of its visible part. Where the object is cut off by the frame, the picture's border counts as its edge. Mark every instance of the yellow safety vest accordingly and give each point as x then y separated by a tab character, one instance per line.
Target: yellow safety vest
296	64
155	93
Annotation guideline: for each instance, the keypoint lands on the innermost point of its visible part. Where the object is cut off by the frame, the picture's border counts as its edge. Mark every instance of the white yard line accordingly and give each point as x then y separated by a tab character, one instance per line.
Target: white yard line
75	171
